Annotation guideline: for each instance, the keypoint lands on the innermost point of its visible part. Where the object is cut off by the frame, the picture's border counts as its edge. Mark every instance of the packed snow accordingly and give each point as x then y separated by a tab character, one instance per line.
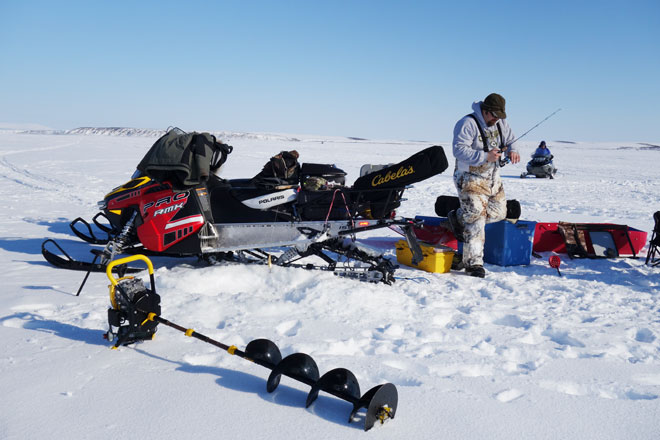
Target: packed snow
523	353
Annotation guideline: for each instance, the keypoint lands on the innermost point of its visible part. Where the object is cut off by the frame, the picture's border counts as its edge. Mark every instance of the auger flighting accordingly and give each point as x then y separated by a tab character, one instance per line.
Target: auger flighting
135	314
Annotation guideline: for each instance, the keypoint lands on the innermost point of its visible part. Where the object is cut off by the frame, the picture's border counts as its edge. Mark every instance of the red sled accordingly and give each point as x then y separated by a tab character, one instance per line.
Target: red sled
601	239
434	232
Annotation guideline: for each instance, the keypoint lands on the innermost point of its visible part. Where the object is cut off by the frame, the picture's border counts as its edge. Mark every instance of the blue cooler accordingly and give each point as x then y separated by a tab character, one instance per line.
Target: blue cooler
508	244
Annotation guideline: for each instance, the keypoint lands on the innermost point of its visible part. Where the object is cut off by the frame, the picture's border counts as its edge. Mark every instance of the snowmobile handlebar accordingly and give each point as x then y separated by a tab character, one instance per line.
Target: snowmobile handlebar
108	271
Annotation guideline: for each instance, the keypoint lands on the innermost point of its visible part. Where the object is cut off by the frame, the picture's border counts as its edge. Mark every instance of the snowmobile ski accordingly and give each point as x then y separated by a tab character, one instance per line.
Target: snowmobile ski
67	262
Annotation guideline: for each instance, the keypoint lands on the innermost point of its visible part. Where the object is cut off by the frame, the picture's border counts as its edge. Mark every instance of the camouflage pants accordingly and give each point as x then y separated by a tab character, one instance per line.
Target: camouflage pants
482	201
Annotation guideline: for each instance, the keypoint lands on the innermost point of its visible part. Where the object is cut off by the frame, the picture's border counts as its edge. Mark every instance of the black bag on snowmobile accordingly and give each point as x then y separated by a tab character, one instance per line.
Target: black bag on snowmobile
419	166
184	159
416	168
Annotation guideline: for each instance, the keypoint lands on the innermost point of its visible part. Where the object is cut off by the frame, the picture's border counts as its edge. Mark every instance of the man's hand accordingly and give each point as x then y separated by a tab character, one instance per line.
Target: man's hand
494	155
514	156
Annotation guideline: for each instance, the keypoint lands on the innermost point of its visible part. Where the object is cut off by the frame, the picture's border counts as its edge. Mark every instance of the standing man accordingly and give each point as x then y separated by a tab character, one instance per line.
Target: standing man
481	139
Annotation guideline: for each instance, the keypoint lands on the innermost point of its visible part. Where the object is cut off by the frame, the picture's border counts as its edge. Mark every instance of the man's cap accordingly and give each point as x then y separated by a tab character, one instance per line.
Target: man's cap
542	144
494	103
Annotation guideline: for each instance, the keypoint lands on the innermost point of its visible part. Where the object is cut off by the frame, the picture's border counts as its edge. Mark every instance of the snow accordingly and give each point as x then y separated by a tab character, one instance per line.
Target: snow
523	353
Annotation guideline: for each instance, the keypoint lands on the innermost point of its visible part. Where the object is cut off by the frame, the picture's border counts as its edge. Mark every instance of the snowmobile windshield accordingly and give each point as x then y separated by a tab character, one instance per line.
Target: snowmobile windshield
137	174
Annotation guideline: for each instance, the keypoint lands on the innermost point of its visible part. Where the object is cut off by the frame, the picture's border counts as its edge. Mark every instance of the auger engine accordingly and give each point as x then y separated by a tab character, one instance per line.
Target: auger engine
131	303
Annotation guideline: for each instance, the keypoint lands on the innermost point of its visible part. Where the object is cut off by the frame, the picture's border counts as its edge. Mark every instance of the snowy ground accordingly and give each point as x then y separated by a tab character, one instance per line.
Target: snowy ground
523	353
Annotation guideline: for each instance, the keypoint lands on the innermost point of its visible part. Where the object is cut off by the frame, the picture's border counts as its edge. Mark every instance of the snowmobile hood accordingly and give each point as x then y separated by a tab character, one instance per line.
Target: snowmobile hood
131	184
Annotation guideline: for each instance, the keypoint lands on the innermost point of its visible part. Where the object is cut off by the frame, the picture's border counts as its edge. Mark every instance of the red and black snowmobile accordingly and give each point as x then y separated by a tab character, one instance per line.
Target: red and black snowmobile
176	206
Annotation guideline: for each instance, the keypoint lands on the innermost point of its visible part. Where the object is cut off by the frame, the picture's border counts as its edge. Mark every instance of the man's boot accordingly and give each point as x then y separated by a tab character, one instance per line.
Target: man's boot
476	271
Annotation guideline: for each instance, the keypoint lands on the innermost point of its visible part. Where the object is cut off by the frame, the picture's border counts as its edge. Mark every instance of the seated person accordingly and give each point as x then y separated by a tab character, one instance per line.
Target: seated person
542	154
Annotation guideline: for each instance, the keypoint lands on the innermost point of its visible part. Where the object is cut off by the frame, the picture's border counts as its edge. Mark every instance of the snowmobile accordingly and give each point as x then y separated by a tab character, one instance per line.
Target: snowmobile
175	205
541	167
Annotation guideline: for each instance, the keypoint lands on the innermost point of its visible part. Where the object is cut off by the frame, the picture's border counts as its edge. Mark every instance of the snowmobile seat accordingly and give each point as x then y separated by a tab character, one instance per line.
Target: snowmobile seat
241	183
227	199
227	206
653	255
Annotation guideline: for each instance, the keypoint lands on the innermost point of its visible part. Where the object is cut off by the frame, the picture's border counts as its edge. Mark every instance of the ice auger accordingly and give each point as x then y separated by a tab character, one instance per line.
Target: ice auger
135	314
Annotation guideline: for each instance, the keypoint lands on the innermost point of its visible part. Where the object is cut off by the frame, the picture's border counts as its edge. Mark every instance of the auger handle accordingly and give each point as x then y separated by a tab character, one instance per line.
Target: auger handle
113	263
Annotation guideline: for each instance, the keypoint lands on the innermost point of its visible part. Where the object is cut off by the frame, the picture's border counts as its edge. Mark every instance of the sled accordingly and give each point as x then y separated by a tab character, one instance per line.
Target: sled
600	240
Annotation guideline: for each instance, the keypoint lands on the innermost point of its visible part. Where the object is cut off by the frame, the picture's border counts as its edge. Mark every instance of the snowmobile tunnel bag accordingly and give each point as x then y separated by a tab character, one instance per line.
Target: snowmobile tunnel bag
370	168
184	159
419	166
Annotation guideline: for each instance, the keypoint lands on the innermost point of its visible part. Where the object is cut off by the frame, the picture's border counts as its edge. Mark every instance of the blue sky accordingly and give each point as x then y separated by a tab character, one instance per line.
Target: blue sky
373	69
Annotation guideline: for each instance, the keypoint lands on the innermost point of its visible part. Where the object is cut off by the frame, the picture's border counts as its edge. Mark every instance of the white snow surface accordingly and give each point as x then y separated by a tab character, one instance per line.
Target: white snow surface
523	353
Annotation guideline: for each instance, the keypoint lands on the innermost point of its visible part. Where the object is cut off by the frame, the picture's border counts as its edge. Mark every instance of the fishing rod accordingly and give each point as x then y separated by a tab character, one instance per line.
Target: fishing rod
506	159
525	133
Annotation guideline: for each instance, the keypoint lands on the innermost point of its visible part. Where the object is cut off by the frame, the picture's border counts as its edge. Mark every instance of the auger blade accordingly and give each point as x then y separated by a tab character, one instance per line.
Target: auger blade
298	366
263	352
381	402
339	382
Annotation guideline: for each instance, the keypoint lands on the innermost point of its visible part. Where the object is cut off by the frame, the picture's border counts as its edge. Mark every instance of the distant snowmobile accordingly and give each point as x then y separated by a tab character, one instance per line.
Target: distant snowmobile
176	206
541	165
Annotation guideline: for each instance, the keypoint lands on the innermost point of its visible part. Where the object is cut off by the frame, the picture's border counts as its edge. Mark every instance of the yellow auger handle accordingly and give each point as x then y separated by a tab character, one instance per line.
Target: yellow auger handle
113	263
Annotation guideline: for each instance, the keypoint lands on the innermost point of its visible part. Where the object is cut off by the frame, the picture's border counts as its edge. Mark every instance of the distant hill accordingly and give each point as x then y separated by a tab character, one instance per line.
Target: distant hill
222	135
